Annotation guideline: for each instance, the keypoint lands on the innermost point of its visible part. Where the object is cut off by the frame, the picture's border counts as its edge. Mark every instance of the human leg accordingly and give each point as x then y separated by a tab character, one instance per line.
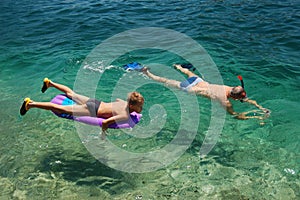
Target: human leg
79	99
168	82
24	108
184	70
77	110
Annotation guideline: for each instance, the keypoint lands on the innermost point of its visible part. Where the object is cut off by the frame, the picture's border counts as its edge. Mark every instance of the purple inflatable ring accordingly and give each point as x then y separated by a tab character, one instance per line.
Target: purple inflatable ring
62	99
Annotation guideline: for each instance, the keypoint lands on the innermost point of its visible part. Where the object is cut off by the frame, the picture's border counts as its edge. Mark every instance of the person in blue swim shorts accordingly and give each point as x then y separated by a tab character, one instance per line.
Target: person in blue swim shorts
222	93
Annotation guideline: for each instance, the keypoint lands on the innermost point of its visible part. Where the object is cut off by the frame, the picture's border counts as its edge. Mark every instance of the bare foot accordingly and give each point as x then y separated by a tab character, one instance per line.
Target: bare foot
145	70
177	66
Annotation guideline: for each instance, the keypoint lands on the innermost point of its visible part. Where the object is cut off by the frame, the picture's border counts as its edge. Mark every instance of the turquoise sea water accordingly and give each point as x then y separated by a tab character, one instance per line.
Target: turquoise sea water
44	157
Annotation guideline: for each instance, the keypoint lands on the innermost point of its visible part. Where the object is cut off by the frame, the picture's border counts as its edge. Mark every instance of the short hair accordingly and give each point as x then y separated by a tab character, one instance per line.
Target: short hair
237	90
135	98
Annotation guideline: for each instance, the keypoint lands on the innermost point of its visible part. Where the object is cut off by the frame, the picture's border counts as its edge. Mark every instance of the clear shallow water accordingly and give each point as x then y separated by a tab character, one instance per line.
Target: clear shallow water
43	156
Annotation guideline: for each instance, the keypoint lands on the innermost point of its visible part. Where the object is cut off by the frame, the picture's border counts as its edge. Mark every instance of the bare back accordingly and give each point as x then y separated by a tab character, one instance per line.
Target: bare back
212	91
116	108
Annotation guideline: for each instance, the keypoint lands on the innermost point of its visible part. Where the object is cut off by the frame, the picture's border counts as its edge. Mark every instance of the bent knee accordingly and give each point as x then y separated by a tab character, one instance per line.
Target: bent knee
70	94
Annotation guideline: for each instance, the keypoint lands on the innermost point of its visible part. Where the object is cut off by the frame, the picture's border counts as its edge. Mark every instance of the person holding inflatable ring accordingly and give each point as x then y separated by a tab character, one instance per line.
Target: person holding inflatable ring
116	111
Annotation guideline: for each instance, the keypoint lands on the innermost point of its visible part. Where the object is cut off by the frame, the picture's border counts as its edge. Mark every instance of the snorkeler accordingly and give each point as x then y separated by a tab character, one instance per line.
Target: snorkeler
221	93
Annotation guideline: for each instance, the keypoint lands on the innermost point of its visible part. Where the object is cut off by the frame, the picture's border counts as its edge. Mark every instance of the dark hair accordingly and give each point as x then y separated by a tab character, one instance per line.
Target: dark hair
135	98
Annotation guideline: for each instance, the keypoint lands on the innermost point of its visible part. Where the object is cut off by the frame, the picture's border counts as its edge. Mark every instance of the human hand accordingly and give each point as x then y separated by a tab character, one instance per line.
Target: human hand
104	129
265	110
241	116
177	66
104	126
103	135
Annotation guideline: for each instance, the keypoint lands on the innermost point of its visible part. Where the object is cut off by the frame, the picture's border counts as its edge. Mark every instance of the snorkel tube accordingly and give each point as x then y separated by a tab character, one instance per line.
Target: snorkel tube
241	79
242	84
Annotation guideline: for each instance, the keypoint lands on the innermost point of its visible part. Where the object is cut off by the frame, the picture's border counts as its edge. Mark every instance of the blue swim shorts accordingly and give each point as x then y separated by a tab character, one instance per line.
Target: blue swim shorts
190	82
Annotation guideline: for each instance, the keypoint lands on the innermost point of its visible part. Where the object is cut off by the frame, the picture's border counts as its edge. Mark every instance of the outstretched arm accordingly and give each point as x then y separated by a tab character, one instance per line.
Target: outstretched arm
230	110
253	102
112	120
242	116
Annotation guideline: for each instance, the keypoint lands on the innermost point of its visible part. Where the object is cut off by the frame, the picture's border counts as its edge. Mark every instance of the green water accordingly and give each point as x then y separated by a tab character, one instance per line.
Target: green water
44	157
